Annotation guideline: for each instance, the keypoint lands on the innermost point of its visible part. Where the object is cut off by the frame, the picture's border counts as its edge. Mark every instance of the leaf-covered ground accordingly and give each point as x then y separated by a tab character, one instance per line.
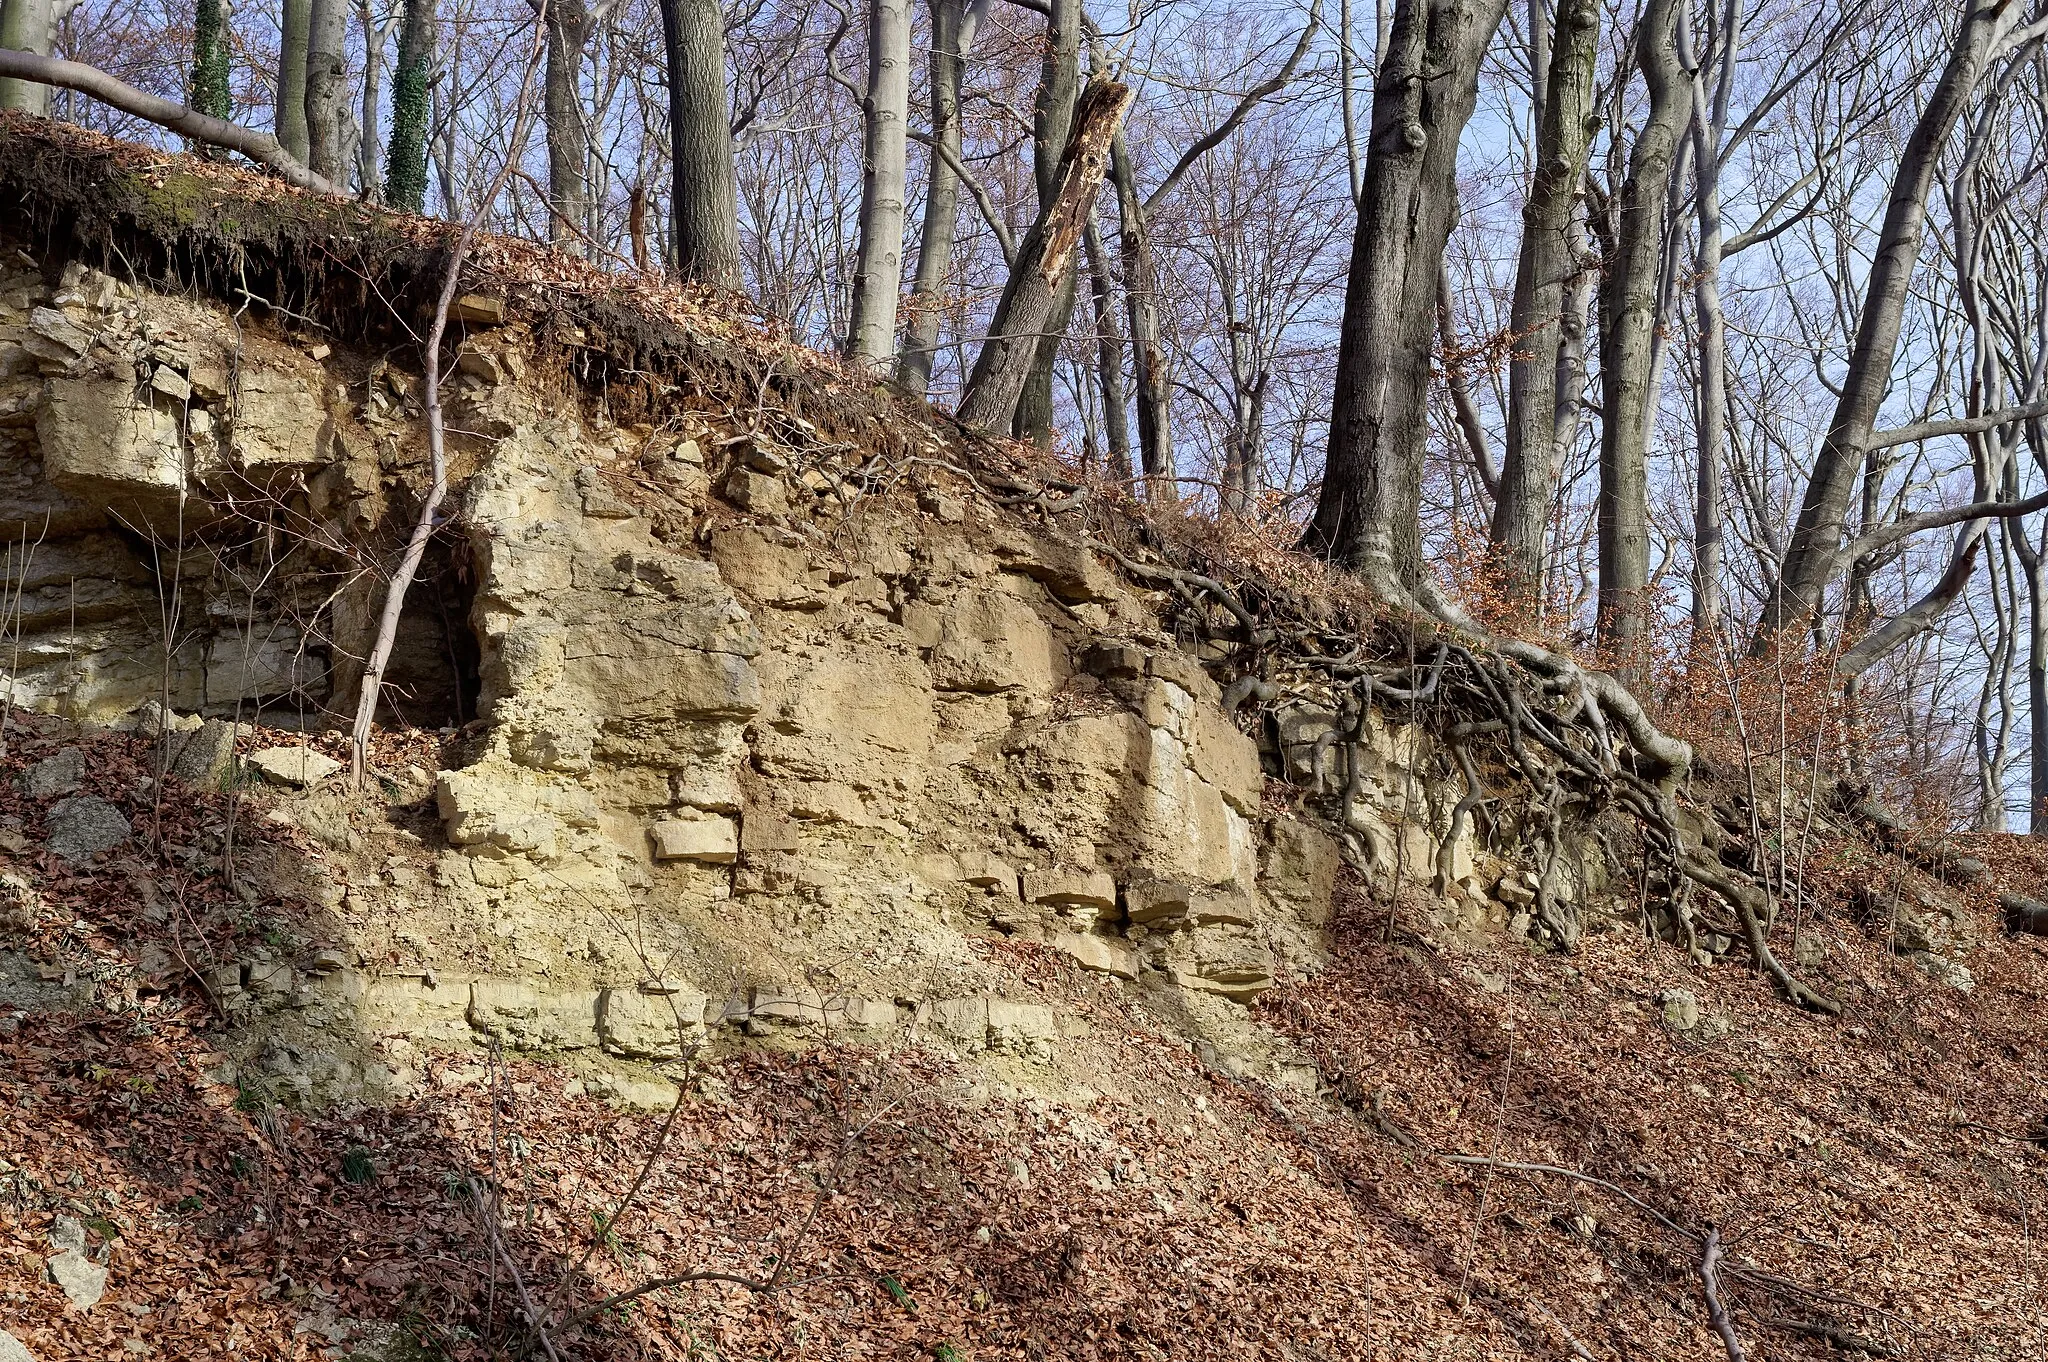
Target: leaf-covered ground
1878	1180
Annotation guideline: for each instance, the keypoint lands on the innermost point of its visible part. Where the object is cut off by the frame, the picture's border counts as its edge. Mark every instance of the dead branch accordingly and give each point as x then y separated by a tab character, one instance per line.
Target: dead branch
1710	1287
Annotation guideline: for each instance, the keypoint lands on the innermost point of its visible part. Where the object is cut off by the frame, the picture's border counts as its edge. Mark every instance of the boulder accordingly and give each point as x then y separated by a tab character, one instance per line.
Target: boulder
61	774
498	804
1229	963
710	839
638	1024
82	1280
83	826
13	1349
1090	891
278	422
103	446
1027	1029
1300	869
524	1018
202	759
991	641
984	870
298	767
1679	1008
1152	901
1098	953
963	1020
762	494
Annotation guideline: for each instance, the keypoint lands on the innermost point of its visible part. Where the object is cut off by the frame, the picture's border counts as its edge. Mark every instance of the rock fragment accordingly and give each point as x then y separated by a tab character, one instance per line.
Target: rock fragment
84	826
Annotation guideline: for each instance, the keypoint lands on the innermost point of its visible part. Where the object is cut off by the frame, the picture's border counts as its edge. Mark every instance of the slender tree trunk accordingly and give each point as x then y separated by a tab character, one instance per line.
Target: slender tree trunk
29	26
568	124
953	27
368	150
442	133
1052	120
954	23
1044	258
1148	355
704	196
294	32
1711	413
405	171
878	275
1629	317
1109	349
327	87
1544	271
1813	555
2032	555
1368	512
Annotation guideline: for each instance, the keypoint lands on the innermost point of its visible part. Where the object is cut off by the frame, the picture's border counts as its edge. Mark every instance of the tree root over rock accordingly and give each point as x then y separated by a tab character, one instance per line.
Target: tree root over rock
1579	738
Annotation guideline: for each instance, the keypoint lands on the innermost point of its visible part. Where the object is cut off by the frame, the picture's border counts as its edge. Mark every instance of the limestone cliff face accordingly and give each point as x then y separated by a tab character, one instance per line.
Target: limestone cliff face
741	752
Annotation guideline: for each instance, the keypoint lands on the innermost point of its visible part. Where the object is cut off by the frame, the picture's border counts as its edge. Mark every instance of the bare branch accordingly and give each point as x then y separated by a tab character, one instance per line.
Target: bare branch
259	147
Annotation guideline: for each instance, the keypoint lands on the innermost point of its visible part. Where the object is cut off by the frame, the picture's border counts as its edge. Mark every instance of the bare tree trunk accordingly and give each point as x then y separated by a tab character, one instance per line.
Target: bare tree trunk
1711	412
1109	349
294	33
1547	264
878	275
1148	355
953	27
1629	317
1814	554
569	26
1571	339
368	151
1367	514
1052	121
327	87
1044	258
27	26
703	193
2031	555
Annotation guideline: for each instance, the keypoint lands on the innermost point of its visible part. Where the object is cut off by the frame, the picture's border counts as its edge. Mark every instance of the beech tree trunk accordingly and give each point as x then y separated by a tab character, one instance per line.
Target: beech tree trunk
569	24
1044	258
878	273
953	28
1709	120
1544	270
1052	121
294	32
1367	513
1813	556
27	26
704	195
327	87
1629	314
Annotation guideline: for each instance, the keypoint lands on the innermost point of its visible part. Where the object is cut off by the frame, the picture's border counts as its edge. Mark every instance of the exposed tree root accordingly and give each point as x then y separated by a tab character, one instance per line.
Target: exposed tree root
1578	738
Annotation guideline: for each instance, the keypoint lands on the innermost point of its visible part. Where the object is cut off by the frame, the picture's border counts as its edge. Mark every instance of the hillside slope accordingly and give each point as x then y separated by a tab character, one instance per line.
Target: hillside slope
833	890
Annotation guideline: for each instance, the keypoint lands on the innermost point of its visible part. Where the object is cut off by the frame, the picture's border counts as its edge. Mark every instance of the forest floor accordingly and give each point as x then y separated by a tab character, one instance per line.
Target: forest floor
1876	1181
